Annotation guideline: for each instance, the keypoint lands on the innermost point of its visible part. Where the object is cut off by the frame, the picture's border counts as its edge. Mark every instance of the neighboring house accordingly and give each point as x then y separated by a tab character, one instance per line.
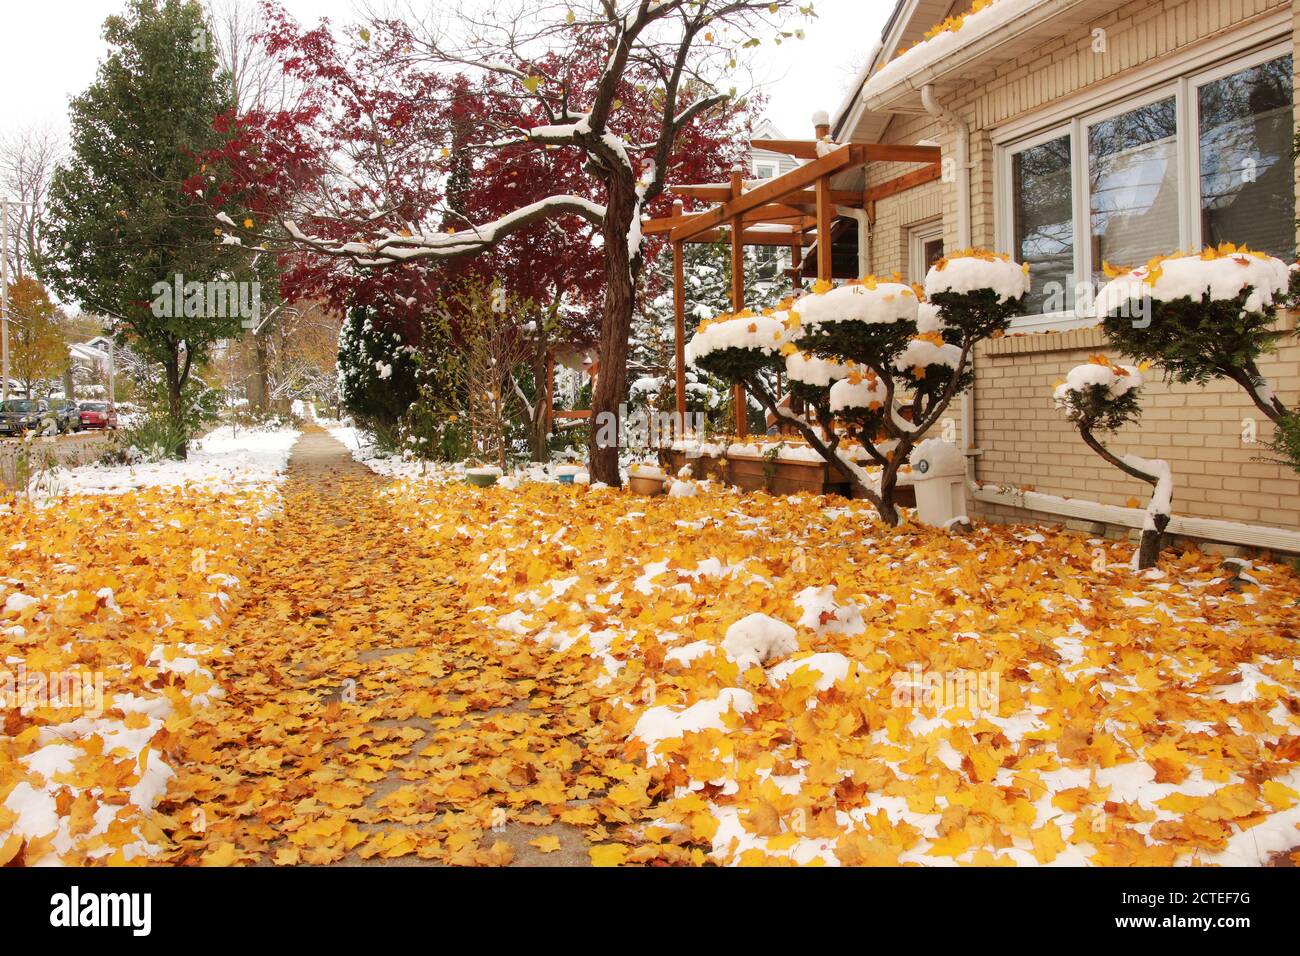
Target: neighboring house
763	163
766	164
1093	132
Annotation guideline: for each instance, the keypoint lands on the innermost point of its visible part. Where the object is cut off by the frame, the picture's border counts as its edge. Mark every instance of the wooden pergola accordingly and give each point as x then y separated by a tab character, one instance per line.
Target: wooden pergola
796	210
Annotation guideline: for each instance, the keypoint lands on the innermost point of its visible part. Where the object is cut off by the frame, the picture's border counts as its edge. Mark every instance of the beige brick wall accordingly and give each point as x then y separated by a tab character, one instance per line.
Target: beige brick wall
1024	440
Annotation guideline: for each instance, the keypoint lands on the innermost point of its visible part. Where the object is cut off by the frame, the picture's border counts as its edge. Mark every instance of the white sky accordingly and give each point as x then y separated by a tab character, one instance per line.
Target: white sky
50	49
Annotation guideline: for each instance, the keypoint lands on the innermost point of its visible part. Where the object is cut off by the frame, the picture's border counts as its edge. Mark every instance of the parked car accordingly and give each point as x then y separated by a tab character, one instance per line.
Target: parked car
67	414
21	415
98	415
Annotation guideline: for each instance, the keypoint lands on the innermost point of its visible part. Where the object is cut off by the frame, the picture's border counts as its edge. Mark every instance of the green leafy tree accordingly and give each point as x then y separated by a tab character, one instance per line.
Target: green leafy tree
126	211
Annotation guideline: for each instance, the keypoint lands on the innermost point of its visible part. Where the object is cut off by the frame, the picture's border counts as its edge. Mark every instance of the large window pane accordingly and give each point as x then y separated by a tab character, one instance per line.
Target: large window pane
1133	182
1044	223
1247	184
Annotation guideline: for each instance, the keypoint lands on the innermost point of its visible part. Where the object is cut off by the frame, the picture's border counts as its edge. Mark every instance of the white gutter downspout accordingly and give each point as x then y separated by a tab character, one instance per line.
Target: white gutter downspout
961	134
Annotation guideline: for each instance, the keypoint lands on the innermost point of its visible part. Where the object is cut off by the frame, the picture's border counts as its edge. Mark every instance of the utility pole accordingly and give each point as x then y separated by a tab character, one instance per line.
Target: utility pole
5	203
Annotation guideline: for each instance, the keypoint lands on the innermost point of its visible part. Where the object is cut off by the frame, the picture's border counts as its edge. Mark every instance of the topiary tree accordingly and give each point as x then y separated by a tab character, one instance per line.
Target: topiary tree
903	360
377	371
1202	317
1099	398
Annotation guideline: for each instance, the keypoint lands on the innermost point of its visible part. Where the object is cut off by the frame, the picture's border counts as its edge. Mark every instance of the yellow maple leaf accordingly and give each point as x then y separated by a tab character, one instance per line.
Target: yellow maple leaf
547	844
608	854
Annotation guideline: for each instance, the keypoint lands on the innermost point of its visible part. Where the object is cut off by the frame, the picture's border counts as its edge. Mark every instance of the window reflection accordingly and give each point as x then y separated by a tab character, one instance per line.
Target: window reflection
1133	185
1247	184
1044	223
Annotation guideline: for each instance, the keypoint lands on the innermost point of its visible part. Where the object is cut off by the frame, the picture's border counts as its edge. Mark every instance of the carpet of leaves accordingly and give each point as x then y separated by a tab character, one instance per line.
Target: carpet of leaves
427	672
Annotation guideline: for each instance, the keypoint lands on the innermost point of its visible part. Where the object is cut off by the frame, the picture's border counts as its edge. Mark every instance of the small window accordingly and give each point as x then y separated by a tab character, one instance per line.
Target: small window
763	170
926	248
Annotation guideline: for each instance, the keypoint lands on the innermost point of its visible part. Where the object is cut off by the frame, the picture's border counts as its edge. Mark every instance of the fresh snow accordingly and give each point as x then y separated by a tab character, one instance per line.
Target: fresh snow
224	460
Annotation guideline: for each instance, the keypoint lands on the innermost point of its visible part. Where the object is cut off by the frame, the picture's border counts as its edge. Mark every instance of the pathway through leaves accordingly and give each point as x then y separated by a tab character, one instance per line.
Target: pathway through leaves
361	723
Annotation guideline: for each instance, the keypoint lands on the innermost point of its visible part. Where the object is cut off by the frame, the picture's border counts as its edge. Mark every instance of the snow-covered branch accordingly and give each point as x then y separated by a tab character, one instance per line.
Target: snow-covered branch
395	247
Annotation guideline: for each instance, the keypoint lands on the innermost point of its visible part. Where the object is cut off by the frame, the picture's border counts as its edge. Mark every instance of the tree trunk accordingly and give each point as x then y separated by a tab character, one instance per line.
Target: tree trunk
1153	540
175	407
538	439
885	507
258	383
615	329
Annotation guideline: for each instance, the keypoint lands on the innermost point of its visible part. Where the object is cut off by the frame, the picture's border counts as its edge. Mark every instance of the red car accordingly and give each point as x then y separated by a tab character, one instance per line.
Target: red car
98	415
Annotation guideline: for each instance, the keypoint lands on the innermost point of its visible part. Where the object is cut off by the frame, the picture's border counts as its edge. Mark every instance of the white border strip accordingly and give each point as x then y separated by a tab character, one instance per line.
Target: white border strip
1207	529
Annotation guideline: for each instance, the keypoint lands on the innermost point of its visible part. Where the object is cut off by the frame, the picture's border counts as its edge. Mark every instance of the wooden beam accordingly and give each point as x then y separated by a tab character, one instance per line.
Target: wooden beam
893	187
798	148
872	152
773	212
898	153
679	329
751	237
772	191
843	197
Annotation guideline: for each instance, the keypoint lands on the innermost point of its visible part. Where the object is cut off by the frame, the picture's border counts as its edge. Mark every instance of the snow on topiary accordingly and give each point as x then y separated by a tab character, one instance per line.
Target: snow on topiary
906	359
1201	317
740	332
1101	397
756	639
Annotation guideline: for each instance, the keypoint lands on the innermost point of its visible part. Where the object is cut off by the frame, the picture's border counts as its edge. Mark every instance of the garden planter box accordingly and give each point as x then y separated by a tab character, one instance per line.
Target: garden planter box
761	474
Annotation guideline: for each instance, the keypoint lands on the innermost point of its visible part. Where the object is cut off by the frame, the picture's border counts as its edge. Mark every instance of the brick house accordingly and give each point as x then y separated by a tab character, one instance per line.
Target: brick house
1089	132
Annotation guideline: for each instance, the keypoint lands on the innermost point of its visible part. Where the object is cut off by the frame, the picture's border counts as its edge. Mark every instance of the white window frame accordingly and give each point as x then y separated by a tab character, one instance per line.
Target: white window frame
1193	86
1007	222
917	237
761	164
1184	88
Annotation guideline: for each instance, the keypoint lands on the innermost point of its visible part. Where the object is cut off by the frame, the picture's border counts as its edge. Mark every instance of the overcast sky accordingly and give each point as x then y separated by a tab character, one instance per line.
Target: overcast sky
49	51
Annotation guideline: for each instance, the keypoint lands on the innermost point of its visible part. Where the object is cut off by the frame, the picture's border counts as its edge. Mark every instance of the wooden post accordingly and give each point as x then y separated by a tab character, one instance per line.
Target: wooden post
738	298
825	221
679	328
796	262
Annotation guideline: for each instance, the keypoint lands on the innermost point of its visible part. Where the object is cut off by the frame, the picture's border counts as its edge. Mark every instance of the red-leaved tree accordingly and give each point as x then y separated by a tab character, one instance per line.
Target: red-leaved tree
534	142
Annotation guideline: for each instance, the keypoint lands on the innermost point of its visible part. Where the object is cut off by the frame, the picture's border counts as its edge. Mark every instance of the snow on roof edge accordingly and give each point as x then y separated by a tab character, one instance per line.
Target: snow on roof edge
922	56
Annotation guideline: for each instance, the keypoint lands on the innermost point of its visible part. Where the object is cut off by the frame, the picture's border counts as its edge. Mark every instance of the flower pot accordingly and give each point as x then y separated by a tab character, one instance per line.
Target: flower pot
564	479
646	486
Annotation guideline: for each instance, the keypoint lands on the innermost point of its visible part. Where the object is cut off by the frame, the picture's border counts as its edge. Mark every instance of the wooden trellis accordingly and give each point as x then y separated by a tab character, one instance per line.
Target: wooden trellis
796	210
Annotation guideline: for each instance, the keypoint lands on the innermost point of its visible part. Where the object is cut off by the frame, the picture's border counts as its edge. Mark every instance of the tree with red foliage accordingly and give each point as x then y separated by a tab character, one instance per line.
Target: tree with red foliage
575	112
